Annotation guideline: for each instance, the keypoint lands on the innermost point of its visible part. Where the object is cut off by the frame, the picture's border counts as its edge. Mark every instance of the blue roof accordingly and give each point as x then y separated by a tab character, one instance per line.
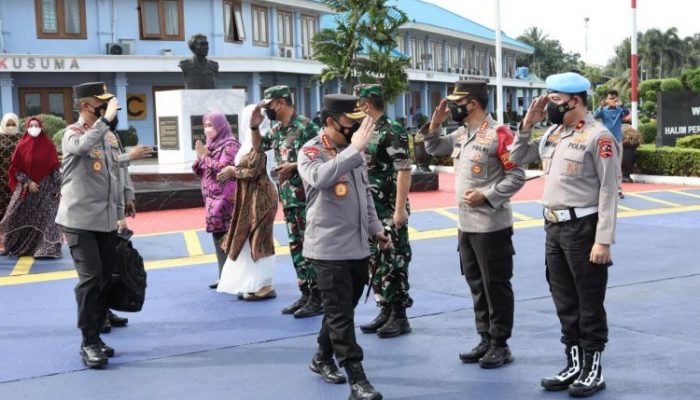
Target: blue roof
430	14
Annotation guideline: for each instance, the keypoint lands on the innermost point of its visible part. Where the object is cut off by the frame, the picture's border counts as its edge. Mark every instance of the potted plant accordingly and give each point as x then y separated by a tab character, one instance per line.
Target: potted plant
631	139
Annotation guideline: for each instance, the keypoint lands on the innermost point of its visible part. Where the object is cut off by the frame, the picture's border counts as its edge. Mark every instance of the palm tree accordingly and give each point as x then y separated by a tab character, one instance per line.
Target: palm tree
535	37
671	57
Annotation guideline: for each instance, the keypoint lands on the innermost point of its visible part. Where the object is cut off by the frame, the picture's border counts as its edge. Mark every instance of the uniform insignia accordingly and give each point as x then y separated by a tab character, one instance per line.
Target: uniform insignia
112	139
554	137
580	138
605	147
476	157
284	152
340	189
455	152
461	137
327	142
97	153
484	125
476	169
579	125
311	152
571	168
97	166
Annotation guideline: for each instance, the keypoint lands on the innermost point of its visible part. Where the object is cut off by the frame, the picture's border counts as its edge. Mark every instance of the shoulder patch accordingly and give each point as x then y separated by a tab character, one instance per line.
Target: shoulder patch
311	152
605	146
505	142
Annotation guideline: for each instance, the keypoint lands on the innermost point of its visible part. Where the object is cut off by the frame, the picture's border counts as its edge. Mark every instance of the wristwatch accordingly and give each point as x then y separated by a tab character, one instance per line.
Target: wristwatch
103	119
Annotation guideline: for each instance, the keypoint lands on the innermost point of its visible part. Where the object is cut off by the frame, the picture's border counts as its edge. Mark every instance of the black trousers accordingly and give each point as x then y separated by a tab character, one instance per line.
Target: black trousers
94	255
487	264
220	253
577	285
341	284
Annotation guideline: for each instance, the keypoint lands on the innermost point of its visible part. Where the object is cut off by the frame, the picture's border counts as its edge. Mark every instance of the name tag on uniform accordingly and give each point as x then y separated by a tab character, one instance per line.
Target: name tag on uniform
455	152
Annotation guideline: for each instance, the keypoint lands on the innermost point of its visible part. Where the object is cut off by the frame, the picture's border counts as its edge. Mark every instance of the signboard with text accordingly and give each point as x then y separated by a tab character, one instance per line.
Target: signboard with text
168	133
678	116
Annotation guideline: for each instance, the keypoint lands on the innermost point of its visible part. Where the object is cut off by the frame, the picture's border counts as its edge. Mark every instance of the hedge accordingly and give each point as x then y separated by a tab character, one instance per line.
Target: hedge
648	130
689	142
671	161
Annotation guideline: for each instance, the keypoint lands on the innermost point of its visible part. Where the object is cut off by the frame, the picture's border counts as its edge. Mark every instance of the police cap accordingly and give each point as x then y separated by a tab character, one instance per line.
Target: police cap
343	104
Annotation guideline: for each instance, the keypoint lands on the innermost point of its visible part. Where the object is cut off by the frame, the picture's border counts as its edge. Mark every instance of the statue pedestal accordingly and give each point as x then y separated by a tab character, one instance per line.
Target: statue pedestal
179	120
424	181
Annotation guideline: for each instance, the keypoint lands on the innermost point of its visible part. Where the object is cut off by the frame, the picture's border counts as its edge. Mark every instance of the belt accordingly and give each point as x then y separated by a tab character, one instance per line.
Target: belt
557	216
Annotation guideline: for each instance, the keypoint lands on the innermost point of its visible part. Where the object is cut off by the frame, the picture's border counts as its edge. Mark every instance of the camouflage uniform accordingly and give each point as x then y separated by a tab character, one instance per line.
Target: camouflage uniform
286	142
386	154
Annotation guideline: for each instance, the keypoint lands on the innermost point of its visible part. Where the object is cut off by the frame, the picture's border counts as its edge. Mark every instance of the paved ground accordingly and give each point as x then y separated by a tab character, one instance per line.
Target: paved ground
193	343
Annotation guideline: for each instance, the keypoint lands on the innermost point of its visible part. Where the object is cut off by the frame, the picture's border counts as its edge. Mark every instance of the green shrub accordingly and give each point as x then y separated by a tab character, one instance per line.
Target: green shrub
644	119
653	85
130	137
671	85
691	79
649	96
649	107
671	161
648	130
52	123
689	142
58	139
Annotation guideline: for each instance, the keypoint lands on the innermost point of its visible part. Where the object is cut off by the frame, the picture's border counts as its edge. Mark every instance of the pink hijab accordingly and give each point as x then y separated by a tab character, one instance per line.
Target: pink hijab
224	135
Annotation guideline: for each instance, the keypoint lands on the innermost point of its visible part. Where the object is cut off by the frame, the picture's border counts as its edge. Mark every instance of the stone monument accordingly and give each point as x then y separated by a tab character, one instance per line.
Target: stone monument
199	72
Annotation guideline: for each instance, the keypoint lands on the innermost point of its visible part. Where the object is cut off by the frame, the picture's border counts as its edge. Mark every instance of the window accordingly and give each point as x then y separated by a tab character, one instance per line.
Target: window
161	19
259	26
54	101
233	22
401	47
436	49
453	59
60	19
308	30
285	30
417	47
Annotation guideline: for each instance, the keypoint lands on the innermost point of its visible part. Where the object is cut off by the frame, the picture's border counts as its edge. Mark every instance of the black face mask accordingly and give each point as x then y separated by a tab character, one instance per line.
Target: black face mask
113	125
458	112
347	131
97	110
555	112
271	114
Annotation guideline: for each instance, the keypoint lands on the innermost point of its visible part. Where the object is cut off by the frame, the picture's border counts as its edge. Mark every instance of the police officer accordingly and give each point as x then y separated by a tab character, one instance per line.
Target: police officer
342	220
287	135
581	164
91	204
486	180
389	170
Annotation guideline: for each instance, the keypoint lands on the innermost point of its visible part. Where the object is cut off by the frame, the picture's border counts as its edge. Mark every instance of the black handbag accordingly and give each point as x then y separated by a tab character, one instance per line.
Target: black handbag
128	286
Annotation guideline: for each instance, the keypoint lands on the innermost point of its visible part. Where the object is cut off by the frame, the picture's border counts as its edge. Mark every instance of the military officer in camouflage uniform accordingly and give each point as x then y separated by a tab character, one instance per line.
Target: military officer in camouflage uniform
342	220
389	170
486	180
580	160
288	133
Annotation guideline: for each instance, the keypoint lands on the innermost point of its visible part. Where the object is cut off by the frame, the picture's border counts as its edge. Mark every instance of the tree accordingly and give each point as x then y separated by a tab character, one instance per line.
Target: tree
360	49
549	57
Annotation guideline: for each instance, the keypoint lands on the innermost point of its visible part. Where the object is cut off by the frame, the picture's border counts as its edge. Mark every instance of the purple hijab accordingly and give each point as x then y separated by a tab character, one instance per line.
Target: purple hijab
224	135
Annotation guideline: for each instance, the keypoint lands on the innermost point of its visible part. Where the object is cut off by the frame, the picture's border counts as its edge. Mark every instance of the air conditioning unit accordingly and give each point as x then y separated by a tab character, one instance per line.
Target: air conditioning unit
287	51
118	49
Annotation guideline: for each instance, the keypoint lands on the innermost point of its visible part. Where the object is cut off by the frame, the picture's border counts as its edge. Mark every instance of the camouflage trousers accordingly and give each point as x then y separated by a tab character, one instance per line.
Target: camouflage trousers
390	279
296	225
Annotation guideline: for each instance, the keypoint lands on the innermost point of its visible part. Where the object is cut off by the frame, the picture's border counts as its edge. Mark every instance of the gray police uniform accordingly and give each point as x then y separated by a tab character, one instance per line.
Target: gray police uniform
341	220
486	250
581	167
92	200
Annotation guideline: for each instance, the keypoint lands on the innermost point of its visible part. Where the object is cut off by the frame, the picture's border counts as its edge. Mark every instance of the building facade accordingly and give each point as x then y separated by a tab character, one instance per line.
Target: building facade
135	46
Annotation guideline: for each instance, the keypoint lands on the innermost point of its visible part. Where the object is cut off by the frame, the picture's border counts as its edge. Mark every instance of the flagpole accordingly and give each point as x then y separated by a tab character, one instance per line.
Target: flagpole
499	66
633	65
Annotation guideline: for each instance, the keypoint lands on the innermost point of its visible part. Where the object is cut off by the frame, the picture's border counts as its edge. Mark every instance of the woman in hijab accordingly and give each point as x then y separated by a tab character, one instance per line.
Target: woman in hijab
219	197
9	137
250	266
28	227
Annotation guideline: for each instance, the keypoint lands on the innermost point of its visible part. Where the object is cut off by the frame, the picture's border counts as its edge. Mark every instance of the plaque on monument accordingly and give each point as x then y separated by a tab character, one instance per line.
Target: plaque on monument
679	116
198	127
168	133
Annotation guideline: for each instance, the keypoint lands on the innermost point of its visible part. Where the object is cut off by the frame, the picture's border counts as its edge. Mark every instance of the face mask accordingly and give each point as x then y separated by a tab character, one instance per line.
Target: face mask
98	110
348	131
210	132
11	130
34	131
556	112
271	114
458	112
113	125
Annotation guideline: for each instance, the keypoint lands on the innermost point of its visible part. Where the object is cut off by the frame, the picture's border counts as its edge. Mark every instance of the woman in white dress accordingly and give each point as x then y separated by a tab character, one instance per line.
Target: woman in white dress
250	266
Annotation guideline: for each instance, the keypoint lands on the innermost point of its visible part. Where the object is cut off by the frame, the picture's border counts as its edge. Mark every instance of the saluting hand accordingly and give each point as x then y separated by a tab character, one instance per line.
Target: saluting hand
256	118
360	139
383	241
536	112
439	115
111	111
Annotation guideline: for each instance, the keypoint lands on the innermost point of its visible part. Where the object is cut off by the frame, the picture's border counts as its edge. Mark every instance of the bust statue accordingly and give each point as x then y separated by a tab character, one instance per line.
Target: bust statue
199	72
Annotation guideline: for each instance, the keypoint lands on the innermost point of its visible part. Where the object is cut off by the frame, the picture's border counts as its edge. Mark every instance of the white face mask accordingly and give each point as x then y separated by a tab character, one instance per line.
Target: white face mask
34	131
11	130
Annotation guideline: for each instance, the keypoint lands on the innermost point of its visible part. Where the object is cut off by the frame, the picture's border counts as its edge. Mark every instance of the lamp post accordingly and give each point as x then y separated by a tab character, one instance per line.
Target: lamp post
585	21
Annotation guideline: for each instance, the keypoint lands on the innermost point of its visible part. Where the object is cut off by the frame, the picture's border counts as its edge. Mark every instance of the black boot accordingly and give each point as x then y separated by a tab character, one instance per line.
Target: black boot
568	375
477	352
108	351
360	388
397	324
292	308
106	326
115	320
378	322
327	369
497	355
91	351
591	378
313	306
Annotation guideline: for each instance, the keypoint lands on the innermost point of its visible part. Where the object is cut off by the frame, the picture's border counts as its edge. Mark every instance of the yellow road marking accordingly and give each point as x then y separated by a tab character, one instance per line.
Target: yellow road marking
693	195
275	242
446	213
211	258
194	248
24	264
521	216
625	208
412	231
653	200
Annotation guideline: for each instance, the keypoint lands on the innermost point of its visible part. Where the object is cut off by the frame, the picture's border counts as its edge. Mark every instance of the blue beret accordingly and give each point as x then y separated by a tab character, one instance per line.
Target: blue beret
568	82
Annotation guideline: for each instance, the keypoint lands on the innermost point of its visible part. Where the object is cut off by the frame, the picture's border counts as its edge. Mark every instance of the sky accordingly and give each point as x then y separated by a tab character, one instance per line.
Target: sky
610	21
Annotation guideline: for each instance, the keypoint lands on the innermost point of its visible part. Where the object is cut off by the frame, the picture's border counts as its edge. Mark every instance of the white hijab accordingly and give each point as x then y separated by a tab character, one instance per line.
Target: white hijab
244	136
6	118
